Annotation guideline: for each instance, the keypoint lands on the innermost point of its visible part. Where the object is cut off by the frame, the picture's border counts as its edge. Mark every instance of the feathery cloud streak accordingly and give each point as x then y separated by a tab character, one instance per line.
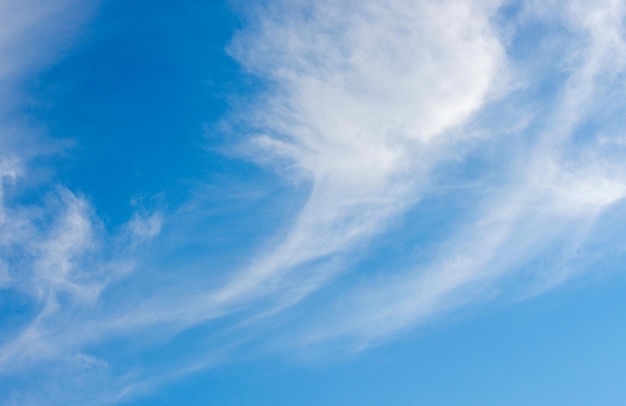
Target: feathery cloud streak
546	211
361	114
370	108
361	103
55	256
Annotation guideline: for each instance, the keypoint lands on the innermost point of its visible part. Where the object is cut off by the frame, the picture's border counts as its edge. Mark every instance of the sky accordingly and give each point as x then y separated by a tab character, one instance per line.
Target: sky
292	202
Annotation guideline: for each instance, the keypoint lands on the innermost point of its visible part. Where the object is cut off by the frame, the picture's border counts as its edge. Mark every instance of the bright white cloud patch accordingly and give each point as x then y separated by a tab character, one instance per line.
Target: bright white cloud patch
546	211
362	100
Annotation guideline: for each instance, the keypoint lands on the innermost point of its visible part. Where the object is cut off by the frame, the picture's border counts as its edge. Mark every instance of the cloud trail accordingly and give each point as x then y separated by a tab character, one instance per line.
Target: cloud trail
55	254
360	101
547	210
361	115
364	107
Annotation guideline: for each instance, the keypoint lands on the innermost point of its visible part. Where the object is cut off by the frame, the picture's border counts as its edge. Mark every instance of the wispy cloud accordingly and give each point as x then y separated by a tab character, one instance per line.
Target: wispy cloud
369	109
56	258
544	212
362	103
362	114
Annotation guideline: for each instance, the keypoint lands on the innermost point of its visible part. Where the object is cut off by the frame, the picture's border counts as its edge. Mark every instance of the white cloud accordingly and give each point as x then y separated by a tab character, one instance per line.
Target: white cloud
54	252
39	245
32	35
362	100
363	113
366	136
365	105
545	211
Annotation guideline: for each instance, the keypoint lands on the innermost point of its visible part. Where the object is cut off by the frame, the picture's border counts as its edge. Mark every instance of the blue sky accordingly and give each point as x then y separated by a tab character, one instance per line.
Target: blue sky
405	202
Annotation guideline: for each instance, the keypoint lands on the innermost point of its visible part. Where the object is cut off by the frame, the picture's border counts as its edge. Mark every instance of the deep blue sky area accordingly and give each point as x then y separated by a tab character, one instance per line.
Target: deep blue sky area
140	95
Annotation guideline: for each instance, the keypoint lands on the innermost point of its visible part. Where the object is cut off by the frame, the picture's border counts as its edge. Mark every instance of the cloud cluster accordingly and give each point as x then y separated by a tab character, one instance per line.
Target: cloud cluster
56	258
372	110
362	103
536	225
